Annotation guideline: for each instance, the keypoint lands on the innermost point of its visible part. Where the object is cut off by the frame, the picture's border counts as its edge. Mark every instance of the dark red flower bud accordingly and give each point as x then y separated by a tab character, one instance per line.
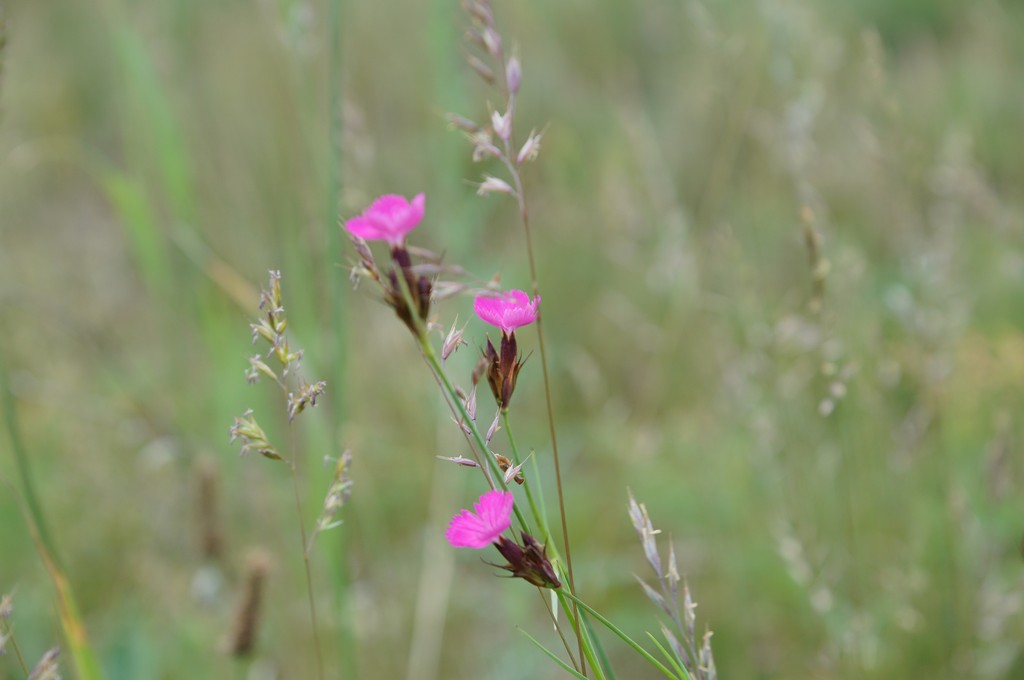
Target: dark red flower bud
420	290
528	561
503	369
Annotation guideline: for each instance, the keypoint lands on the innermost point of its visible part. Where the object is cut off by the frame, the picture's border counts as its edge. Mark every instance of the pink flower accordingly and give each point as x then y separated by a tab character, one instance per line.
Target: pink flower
508	312
478	530
389	218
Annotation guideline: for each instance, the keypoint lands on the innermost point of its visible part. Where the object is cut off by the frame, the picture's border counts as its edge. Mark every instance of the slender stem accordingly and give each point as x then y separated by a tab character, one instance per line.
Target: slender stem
586	647
524	215
495	478
14	645
509	158
534	508
293	467
558	629
452	397
21	459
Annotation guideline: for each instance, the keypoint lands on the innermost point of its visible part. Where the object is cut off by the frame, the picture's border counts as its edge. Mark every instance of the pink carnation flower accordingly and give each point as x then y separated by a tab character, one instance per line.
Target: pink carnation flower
508	312
389	218
478	530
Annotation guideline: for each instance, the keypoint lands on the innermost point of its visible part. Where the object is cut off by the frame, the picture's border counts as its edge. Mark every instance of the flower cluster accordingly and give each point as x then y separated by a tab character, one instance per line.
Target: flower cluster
408	290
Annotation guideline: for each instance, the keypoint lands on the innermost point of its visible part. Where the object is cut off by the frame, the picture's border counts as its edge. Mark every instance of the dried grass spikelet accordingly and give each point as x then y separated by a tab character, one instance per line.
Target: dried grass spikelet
337	495
689	650
211	537
47	668
242	640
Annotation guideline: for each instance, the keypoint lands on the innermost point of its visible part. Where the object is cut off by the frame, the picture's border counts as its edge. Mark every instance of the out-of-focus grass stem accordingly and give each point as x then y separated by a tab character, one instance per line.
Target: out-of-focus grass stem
71	620
8	633
309	576
293	471
21	459
337	309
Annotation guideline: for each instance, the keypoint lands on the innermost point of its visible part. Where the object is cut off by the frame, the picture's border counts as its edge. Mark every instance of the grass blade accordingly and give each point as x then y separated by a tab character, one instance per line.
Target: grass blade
680	670
71	620
599	648
554	657
625	638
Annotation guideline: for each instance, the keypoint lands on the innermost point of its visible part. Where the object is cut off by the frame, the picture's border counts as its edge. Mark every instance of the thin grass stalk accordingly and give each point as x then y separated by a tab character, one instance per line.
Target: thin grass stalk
585	643
517	459
524	216
8	636
558	629
308	571
21	459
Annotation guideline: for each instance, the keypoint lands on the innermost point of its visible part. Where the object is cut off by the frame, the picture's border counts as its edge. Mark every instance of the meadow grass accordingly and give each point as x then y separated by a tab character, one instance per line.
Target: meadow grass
840	478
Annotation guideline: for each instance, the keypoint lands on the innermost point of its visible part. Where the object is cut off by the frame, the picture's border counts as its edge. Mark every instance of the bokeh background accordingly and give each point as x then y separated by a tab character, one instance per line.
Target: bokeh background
831	436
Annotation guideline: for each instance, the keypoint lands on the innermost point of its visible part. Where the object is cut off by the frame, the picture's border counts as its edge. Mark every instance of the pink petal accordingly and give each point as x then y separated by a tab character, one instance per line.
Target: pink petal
478	530
389	218
508	312
363	228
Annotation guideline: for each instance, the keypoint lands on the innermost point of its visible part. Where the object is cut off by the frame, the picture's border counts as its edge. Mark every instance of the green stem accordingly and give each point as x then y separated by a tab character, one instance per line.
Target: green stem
586	645
305	563
21	461
538	516
14	645
509	160
495	477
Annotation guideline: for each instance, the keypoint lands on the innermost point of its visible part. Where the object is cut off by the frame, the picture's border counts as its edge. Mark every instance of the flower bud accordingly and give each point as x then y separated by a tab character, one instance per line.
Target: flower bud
513	75
528	561
502	124
457	122
482	69
493	185
529	150
492	41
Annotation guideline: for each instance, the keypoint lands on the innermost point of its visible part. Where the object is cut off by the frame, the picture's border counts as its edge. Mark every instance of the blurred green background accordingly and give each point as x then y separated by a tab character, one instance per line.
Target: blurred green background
839	467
